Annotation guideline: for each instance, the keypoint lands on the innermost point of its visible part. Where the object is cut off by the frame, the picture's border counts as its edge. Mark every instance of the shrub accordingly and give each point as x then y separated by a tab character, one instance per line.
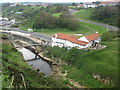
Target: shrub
110	35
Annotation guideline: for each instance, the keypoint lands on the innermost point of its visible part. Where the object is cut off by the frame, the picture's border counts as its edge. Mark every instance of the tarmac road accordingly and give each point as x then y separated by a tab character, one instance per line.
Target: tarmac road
37	35
100	24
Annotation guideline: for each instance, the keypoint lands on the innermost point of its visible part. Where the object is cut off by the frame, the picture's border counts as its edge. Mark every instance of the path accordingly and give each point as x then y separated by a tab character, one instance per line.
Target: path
100	24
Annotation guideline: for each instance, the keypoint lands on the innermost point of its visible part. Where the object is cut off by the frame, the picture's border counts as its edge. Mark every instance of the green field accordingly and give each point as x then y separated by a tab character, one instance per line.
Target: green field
84	28
57	15
84	14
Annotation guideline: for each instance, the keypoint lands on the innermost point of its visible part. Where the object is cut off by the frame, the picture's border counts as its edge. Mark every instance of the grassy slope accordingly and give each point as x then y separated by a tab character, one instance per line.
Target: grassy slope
14	63
84	28
57	15
103	62
84	14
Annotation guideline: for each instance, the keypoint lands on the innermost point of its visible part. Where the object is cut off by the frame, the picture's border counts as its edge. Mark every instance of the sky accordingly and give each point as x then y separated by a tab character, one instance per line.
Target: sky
49	0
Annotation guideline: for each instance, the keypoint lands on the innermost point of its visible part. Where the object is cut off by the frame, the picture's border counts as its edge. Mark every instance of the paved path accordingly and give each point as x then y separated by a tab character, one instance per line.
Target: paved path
100	24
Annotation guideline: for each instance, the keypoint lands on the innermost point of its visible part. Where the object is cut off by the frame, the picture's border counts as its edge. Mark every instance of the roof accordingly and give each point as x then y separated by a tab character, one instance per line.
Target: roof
70	38
91	37
108	2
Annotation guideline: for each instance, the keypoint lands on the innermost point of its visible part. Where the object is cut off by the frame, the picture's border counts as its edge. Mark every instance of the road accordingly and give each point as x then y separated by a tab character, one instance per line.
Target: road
36	35
96	23
100	24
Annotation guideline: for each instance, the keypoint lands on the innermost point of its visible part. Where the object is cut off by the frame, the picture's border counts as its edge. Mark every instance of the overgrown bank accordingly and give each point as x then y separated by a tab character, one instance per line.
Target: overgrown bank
14	67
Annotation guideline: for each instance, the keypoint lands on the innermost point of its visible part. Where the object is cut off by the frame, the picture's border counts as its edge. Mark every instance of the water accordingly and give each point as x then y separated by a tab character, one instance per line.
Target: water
37	63
27	54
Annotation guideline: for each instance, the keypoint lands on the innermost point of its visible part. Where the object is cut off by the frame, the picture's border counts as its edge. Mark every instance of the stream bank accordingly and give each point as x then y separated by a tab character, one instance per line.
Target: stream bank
55	66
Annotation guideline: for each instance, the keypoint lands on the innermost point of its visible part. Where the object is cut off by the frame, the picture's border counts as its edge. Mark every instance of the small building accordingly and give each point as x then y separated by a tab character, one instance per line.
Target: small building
62	40
4	19
87	5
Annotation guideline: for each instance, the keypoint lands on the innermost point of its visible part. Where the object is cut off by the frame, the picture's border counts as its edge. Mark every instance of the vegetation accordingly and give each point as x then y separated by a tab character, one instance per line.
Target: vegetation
11	12
44	20
93	28
84	14
108	14
68	21
47	20
14	66
110	35
84	64
84	28
57	15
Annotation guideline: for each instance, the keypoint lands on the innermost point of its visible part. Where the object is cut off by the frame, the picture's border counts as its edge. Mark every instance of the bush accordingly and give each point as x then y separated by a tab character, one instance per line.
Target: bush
108	14
44	20
109	35
68	21
4	36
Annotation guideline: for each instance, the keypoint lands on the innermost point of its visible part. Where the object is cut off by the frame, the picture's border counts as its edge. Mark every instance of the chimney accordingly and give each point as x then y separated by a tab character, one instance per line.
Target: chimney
96	31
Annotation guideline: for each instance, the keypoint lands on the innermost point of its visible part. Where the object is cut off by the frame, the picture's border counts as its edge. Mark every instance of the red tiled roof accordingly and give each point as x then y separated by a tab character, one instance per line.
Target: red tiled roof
108	2
70	38
92	36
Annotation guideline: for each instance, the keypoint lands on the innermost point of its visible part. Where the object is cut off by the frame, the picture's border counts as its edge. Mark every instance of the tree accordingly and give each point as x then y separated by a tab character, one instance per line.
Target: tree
74	4
96	3
44	20
61	8
108	14
68	21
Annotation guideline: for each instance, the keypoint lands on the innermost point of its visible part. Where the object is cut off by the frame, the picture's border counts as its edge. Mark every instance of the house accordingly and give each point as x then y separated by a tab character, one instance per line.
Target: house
63	40
86	5
4	19
109	3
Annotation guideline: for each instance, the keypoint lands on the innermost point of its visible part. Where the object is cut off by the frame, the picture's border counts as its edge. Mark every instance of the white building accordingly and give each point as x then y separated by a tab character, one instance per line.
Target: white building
89	5
62	40
4	19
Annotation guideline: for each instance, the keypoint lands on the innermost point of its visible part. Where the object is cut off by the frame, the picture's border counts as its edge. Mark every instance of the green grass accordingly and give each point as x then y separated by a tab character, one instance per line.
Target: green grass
50	32
13	63
94	27
84	14
86	63
0	82
82	78
84	28
57	15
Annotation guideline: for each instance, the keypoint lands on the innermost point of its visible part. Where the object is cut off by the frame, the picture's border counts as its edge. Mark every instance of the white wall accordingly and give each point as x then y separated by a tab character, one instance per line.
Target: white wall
98	40
57	42
89	44
61	43
78	46
68	43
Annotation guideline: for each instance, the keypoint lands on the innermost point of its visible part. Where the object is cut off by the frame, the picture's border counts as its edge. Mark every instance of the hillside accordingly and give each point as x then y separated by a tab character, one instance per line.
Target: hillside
14	66
108	15
84	14
82	64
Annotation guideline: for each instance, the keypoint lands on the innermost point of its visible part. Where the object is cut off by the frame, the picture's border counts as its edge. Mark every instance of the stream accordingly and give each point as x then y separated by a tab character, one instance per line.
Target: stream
40	64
